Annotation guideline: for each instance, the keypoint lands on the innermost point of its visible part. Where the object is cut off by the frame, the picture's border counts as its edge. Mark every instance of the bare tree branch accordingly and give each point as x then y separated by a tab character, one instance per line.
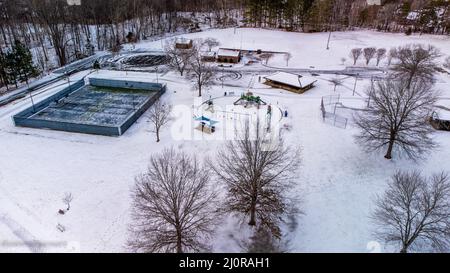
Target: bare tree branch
202	73
355	54
174	207
381	54
369	53
179	59
257	176
415	211
160	116
416	62
396	117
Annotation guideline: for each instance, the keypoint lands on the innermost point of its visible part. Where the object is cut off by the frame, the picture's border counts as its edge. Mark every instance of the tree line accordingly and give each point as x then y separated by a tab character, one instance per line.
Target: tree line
323	15
71	31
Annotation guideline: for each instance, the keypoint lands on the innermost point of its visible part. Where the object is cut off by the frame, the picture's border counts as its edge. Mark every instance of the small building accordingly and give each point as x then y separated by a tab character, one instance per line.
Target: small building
290	82
440	120
226	55
183	43
208	56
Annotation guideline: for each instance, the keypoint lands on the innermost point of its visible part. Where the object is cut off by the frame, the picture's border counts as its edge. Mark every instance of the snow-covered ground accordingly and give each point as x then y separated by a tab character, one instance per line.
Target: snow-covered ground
337	180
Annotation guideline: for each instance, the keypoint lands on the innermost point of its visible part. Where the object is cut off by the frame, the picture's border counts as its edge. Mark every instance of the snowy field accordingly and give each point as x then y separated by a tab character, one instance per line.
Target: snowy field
337	180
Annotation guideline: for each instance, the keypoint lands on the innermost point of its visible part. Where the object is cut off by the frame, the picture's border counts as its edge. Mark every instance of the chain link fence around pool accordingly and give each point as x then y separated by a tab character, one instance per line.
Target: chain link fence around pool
329	106
102	107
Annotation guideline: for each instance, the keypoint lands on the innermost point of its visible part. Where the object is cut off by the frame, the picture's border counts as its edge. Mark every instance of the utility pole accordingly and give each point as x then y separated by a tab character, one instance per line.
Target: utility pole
222	79
68	78
328	43
354	87
371	91
31	97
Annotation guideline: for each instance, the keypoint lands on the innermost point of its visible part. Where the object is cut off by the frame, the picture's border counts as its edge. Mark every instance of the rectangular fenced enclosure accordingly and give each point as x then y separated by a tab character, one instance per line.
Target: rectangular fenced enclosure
102	107
328	106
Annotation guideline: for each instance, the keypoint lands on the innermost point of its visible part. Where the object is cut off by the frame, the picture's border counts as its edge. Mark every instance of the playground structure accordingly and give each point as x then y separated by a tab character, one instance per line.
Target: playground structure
249	99
268	118
227	114
206	125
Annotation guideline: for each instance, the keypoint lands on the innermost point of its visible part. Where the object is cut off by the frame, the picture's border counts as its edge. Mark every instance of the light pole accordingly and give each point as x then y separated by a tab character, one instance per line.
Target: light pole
68	78
222	79
328	43
31	97
354	87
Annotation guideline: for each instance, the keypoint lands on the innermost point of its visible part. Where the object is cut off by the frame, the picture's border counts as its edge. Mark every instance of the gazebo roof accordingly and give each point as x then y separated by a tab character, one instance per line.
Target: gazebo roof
294	80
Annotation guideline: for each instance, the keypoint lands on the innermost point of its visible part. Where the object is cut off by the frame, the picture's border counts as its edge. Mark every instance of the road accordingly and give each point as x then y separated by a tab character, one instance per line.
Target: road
361	72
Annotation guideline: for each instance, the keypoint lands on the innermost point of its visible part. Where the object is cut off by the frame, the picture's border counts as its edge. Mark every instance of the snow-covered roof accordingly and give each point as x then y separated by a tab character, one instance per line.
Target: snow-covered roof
208	54
413	15
294	80
206	121
183	41
443	114
228	52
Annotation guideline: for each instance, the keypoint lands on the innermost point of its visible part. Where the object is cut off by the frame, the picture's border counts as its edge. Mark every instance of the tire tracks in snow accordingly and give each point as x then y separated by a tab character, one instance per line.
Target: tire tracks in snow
8	205
21	233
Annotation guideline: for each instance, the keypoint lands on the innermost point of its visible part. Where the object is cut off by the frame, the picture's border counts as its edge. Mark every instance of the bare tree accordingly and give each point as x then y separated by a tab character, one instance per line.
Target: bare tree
336	82
202	73
369	54
179	59
263	241
416	62
415	211
210	43
381	54
174	207
67	199
287	58
397	116
355	54
52	14
393	54
159	116
257	173
116	48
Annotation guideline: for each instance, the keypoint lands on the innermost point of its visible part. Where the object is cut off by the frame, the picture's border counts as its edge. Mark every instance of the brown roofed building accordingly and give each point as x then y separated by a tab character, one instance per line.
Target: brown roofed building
290	82
229	55
183	43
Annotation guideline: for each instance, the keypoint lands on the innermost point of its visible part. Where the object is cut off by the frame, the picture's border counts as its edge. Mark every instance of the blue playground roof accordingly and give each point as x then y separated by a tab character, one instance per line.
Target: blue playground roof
206	120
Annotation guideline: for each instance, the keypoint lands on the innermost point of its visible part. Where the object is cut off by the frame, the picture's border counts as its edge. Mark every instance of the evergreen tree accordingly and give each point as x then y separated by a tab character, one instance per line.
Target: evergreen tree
11	69
305	7
96	65
3	70
23	63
